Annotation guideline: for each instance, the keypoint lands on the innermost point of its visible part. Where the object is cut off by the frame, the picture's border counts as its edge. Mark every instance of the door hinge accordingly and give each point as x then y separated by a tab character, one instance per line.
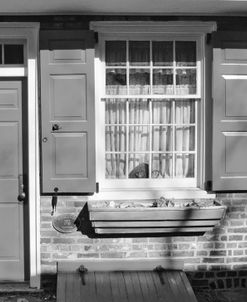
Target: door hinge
96	37
160	270
209	38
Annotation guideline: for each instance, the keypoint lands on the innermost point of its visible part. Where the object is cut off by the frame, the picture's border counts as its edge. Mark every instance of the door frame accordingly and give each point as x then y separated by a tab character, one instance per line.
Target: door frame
29	32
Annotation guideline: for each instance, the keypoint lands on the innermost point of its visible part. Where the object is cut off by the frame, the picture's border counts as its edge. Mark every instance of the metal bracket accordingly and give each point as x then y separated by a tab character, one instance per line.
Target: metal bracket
82	270
160	269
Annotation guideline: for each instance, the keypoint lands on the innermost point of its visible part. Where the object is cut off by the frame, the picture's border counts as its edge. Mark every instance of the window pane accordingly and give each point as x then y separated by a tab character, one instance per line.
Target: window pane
185	165
185	112
163	81
138	166
13	54
138	138
115	53
138	111
139	81
161	112
115	165
139	53
186	81
115	138
115	111
161	165
116	81
162	53
185	53
185	138
161	138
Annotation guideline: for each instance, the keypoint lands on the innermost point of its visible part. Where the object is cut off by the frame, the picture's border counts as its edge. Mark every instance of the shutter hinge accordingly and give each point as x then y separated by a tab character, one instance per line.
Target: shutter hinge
208	185
97	187
54	201
96	37
209	38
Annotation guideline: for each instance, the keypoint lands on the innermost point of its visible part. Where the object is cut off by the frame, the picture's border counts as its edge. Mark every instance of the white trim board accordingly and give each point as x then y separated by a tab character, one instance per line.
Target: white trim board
187	27
29	32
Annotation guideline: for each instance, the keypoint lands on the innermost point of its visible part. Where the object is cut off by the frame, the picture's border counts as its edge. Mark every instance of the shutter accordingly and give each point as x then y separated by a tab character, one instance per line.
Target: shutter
67	111
230	111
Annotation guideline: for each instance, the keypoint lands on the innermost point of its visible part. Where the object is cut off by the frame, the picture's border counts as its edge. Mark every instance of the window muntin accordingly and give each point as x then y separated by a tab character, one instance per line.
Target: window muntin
165	77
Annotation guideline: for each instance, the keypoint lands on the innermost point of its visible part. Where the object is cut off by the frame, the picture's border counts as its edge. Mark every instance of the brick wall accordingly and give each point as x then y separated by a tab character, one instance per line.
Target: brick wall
218	259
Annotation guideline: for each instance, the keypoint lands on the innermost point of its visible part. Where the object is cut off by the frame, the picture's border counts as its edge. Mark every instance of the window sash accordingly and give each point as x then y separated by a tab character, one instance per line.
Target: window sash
174	67
134	184
178	129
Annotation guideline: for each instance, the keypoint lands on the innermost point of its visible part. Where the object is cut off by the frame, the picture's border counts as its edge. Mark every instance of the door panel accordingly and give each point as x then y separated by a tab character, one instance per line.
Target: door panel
11	169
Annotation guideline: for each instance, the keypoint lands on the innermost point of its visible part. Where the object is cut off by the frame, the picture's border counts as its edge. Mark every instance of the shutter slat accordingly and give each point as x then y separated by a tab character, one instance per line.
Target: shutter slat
67	100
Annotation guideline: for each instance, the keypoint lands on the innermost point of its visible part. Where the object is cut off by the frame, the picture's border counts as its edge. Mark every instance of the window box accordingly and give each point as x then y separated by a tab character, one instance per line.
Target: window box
116	220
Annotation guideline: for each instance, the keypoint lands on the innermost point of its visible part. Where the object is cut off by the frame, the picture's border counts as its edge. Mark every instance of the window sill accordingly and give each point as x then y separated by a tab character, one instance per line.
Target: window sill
126	194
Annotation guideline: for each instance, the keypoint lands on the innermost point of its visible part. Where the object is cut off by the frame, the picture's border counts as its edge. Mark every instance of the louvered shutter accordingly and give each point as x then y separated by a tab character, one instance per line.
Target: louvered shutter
230	111
67	111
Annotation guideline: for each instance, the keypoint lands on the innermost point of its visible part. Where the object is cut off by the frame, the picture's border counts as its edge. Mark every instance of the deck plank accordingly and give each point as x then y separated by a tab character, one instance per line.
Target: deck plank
163	289
147	292
137	288
61	287
183	290
122	287
76	288
88	290
188	287
69	294
129	287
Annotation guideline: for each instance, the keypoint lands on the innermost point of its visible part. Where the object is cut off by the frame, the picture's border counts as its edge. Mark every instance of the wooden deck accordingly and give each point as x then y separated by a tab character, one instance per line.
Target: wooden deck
124	286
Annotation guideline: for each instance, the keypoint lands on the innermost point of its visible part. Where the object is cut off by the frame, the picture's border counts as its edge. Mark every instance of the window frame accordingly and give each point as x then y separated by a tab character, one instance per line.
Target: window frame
175	31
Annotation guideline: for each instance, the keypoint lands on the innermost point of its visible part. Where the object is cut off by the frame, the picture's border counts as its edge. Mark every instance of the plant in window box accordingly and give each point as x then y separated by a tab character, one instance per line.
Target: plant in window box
162	217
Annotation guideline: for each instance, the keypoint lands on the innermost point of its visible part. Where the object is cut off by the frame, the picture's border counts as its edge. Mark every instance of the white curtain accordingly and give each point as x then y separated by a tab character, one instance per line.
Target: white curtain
184	138
167	140
115	138
139	136
162	139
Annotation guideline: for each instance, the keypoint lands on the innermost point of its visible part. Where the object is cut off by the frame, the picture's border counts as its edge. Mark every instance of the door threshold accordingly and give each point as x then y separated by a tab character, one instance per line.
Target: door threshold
17	287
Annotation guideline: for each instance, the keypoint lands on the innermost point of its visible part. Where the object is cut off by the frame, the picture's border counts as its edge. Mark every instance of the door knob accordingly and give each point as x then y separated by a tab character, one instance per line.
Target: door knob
56	127
22	194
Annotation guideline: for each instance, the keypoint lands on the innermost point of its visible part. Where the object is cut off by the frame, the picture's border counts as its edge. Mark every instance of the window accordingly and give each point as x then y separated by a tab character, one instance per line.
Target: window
11	54
152	96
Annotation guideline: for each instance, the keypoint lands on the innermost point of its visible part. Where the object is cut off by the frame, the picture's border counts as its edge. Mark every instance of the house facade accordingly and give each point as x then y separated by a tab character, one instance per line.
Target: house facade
102	109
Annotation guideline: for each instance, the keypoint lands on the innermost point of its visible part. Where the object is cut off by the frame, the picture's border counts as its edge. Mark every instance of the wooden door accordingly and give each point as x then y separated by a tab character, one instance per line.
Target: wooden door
11	180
